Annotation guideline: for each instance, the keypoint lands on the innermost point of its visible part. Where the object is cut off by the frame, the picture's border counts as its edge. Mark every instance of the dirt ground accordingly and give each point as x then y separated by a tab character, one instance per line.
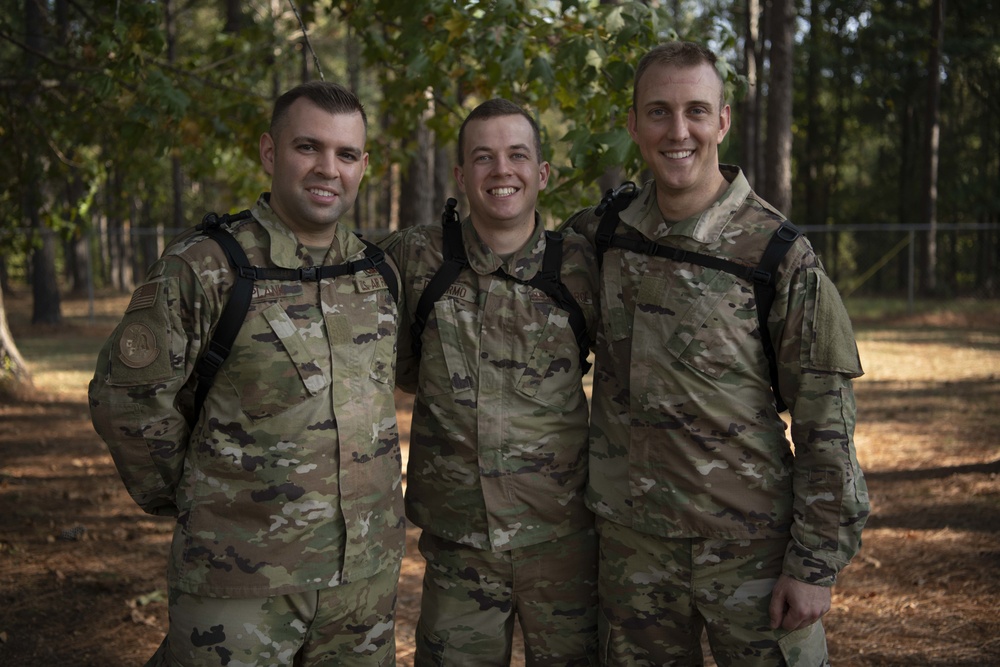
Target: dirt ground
82	569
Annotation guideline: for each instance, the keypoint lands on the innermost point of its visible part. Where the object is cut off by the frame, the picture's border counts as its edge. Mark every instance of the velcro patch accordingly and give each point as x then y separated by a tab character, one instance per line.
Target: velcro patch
137	346
143	297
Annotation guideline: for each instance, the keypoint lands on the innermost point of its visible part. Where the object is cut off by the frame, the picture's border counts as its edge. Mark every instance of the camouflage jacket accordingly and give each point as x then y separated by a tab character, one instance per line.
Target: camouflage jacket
685	437
498	442
290	478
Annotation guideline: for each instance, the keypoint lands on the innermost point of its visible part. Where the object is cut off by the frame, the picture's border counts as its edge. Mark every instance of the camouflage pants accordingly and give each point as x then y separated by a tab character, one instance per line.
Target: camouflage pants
657	595
470	599
351	625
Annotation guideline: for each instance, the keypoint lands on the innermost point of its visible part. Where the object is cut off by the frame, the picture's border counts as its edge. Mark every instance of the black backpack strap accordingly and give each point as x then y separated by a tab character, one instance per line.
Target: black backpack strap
614	202
765	280
377	257
455	261
548	281
374	259
647	247
763	276
234	311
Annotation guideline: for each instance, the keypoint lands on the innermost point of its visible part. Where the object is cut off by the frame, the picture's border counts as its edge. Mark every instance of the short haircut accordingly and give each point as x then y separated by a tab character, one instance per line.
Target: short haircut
678	54
330	97
497	108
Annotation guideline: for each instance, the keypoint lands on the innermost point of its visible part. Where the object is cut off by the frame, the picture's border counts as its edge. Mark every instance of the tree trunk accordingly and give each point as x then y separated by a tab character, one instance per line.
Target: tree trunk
14	374
810	169
119	247
416	190
47	305
444	182
236	20
233	23
778	149
932	137
749	116
45	285
385	198
904	213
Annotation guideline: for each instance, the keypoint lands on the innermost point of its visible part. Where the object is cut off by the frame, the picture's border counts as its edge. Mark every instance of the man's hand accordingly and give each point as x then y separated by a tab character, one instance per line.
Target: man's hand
796	605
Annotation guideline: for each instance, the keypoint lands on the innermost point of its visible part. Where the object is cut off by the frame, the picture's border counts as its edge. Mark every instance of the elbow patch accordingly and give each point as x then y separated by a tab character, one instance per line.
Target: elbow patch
827	335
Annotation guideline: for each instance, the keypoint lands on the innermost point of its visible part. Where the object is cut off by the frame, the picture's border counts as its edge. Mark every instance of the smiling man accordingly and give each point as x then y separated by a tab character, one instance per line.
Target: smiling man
284	478
498	444
707	517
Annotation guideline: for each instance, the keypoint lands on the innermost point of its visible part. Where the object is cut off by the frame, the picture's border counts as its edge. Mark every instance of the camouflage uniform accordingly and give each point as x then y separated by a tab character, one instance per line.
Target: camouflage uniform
289	480
688	445
498	452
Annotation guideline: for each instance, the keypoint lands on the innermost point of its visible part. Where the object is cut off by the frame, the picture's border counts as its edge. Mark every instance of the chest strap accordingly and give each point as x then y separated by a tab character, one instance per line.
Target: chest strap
238	304
763	277
547	280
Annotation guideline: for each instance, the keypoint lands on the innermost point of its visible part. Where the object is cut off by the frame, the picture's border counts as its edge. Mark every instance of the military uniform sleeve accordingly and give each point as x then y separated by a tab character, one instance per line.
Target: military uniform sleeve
818	358
582	222
141	393
407	364
581	276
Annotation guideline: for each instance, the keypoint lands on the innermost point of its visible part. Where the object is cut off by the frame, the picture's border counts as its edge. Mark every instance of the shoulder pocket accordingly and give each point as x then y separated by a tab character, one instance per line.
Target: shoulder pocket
827	336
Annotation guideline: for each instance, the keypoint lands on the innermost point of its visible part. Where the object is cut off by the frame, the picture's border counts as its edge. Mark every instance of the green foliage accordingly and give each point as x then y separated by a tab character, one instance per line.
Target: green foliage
572	63
95	109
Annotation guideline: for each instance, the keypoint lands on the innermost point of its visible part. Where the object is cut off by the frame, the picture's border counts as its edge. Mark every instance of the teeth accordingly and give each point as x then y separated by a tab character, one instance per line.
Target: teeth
679	155
502	192
321	193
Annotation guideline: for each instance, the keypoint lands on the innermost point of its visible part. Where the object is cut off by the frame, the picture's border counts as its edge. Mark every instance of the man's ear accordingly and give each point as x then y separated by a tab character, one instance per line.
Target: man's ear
267	153
544	169
725	121
632	124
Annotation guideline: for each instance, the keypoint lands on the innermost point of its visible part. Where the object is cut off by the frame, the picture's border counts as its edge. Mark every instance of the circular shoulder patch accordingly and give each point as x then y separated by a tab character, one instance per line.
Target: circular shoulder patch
137	346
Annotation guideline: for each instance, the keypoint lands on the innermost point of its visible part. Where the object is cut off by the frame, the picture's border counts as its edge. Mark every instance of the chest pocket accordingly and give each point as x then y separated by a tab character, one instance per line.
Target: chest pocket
452	332
274	365
703	320
552	372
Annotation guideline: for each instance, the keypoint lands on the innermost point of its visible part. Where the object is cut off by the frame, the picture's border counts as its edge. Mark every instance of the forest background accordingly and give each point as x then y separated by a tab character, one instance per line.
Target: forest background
873	124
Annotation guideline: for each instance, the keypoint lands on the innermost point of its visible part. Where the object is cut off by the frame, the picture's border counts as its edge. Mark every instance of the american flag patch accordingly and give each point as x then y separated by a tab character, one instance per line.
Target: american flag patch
144	297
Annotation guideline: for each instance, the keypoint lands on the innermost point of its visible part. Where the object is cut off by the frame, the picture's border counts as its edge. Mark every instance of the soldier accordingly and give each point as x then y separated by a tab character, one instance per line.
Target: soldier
707	519
286	485
498	448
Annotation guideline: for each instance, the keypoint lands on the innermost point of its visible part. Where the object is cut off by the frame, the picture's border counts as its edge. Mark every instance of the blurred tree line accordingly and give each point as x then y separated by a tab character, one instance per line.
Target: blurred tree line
124	122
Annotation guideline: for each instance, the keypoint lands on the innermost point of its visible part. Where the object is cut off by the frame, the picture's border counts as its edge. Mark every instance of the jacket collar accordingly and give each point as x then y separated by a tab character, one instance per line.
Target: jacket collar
285	246
523	264
706	227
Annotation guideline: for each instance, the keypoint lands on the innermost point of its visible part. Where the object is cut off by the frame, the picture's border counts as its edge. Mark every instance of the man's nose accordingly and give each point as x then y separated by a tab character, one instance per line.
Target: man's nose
678	127
502	165
327	164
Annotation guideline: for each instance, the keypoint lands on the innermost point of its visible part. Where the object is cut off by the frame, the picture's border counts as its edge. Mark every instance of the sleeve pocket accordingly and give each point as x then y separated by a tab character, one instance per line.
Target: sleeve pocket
827	328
